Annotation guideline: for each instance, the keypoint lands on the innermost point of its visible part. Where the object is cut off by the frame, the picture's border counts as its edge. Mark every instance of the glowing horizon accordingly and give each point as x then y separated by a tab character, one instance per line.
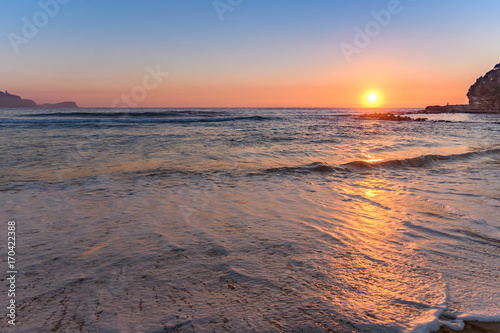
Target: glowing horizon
255	54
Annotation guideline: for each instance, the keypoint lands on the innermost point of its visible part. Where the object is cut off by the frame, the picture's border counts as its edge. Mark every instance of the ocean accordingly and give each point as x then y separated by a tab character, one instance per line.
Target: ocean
249	220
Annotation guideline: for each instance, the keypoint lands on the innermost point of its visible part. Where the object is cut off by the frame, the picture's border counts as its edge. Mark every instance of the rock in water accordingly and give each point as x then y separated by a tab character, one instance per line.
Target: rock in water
485	93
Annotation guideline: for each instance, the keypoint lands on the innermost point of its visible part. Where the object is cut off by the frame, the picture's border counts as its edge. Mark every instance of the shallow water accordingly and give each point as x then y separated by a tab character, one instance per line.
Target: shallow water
261	220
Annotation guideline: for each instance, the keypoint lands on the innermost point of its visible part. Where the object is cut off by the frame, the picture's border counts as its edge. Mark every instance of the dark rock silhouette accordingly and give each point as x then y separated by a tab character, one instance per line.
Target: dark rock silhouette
447	108
484	94
13	101
63	105
391	116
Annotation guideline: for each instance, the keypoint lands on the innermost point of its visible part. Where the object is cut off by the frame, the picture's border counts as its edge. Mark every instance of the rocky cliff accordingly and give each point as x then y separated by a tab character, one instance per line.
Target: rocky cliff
13	101
484	94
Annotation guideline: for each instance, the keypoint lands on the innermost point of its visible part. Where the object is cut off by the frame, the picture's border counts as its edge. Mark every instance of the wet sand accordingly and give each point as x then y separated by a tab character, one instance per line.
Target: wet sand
475	327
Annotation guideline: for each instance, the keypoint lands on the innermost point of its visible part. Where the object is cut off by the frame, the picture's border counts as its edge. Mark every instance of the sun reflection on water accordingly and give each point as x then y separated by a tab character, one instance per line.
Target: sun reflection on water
370	158
383	267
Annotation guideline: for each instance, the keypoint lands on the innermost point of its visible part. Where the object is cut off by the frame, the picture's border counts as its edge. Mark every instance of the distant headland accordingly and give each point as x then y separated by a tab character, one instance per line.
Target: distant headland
13	101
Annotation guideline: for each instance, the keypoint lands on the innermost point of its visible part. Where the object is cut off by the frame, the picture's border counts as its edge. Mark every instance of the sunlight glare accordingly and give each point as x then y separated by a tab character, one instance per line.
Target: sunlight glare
371	99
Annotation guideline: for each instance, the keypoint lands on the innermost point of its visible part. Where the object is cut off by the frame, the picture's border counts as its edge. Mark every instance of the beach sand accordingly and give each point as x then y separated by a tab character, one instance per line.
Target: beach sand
475	327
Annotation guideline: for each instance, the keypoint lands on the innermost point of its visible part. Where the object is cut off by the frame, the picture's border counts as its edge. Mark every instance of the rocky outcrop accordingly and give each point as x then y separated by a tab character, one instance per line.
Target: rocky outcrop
484	94
13	101
391	116
447	108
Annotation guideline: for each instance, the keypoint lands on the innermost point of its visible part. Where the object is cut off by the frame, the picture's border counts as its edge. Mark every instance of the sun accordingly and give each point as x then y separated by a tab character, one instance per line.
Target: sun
372	99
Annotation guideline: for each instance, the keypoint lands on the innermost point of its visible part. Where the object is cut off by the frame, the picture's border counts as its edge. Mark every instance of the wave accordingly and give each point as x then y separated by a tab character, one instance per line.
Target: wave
415	162
421	161
119	120
136	114
316	167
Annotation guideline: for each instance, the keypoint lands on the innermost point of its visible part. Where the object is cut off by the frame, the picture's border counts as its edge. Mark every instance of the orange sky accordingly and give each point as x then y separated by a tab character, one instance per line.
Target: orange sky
397	86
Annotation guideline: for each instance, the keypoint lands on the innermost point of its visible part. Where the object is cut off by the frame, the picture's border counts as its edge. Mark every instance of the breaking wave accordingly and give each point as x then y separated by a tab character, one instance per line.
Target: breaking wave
423	161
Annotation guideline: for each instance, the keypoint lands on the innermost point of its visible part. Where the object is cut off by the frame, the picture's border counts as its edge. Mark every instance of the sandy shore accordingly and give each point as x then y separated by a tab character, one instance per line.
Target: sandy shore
475	327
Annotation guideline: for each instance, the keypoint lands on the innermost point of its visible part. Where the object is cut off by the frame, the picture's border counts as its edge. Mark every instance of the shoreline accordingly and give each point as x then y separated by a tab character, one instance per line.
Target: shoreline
474	327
